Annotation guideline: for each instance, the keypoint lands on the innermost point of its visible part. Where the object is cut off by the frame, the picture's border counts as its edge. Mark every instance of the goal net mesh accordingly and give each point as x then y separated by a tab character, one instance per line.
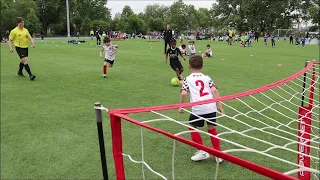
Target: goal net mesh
268	132
282	32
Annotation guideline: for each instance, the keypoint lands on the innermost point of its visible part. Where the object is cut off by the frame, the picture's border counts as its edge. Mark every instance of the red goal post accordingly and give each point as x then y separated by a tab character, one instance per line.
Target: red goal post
118	115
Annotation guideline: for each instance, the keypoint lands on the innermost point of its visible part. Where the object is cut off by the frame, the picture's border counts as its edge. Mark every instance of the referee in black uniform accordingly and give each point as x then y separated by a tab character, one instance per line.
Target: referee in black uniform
167	36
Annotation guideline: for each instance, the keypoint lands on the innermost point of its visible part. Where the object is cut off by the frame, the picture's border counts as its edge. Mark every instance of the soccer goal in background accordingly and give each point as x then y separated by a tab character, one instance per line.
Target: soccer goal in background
269	132
282	32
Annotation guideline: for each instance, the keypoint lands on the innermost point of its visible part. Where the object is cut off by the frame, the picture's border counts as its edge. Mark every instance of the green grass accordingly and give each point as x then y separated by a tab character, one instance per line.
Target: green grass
48	128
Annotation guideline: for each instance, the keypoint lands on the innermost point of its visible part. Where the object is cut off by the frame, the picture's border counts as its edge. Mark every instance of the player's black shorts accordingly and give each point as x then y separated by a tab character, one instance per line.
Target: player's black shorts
109	61
98	38
200	123
230	37
22	52
176	64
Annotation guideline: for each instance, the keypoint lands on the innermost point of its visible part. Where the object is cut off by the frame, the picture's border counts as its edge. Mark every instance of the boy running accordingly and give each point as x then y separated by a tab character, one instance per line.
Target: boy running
173	52
201	87
109	57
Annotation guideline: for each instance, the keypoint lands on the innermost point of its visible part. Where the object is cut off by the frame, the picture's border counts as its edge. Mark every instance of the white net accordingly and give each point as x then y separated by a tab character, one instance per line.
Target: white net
260	127
282	32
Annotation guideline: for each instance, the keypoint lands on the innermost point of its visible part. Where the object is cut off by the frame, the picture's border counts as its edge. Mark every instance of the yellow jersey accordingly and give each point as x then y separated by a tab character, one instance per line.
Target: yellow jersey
230	33
20	37
91	32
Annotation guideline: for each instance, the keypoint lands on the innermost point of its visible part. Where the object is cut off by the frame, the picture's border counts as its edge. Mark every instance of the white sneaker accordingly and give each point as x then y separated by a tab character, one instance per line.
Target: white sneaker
104	75
200	155
219	160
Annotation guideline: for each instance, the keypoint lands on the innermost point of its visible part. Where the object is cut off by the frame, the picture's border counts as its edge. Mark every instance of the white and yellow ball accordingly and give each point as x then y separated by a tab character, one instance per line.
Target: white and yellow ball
175	81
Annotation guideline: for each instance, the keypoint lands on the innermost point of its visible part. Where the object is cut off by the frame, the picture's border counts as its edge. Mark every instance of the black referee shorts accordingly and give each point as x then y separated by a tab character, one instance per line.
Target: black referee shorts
22	52
200	123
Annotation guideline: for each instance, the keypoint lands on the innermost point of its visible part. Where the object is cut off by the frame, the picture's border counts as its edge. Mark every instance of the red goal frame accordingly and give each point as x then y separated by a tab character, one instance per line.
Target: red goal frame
117	115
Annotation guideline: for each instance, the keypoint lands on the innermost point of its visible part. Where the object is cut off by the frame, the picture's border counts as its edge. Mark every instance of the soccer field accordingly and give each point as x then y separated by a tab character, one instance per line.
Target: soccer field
48	128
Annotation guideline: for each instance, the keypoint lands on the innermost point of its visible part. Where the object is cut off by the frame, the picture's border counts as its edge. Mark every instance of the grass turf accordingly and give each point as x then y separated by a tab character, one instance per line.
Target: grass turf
48	128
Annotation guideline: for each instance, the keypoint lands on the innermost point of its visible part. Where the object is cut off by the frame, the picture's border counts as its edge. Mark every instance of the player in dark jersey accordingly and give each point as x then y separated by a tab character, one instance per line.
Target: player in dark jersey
98	36
273	42
167	36
173	52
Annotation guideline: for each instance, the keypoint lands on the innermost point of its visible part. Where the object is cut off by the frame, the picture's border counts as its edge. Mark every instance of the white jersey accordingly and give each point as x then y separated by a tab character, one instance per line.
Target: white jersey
183	51
192	49
199	87
108	50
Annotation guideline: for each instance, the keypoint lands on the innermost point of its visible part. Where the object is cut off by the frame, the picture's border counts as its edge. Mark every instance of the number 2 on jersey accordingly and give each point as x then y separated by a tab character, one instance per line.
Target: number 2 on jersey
200	83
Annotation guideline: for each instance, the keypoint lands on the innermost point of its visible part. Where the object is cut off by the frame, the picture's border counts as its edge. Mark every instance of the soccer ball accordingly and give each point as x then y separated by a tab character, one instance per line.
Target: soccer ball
175	81
116	46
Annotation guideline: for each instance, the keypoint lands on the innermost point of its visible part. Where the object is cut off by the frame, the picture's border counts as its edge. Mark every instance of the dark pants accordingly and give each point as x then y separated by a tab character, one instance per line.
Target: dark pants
166	46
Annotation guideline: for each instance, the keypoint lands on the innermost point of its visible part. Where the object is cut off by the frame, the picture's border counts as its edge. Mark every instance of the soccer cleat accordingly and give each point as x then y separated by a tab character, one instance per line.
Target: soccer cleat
105	75
219	160
20	74
32	77
200	155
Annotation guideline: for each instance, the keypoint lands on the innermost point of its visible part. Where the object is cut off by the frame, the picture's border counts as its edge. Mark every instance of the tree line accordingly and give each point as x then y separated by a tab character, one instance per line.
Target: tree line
49	16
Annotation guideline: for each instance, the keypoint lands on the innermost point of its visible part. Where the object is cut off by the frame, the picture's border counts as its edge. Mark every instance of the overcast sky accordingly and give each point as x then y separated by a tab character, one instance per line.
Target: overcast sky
139	6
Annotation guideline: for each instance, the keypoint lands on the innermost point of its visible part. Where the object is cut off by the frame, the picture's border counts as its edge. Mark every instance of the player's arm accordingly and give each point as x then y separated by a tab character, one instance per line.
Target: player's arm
114	52
216	94
183	96
31	40
101	51
11	38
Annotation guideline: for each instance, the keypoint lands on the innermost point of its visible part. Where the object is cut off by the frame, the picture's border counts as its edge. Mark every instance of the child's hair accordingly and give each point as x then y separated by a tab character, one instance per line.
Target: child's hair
196	62
173	41
183	46
106	40
208	45
19	20
191	42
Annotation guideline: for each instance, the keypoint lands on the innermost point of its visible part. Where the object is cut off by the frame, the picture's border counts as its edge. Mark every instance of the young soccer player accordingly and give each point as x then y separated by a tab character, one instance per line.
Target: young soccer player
201	87
265	39
192	48
98	36
174	53
273	42
250	41
303	41
109	57
284	38
208	53
243	40
182	48
91	34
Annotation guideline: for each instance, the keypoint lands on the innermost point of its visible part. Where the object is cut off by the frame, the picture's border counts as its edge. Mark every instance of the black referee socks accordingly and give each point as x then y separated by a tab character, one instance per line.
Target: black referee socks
28	69
21	65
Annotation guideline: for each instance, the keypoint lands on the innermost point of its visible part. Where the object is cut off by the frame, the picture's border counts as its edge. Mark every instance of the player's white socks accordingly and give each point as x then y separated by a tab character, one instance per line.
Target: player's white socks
219	160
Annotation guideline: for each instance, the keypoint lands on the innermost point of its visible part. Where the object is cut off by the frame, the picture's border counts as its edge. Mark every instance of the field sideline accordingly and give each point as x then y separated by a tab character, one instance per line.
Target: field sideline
48	128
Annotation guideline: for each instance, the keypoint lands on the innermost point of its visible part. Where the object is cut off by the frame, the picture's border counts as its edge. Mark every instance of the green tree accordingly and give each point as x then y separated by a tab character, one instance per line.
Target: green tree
135	24
49	12
178	11
126	11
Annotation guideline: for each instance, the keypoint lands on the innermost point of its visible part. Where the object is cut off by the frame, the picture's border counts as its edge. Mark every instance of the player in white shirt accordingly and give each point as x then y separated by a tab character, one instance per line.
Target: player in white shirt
201	87
182	48
109	57
192	48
